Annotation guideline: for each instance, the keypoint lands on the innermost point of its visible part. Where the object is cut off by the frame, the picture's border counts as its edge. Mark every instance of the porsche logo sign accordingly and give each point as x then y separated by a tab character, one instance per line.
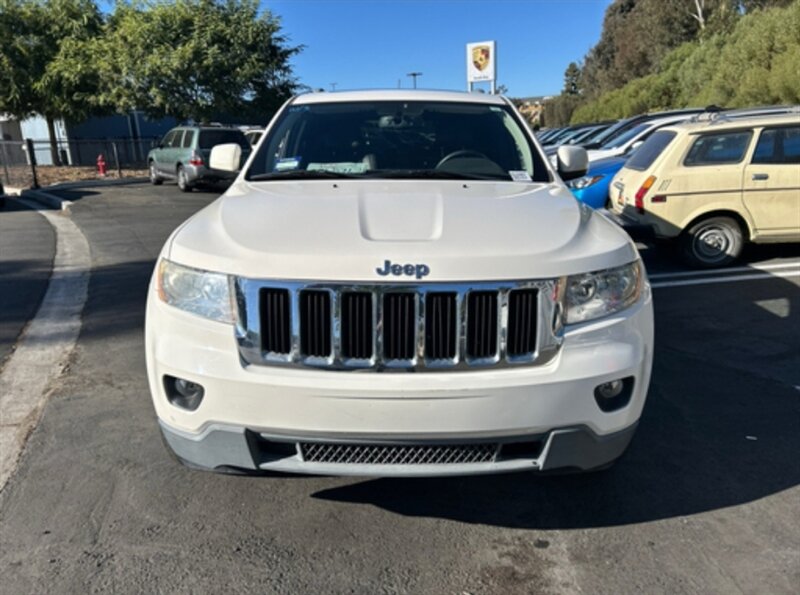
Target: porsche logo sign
481	56
481	62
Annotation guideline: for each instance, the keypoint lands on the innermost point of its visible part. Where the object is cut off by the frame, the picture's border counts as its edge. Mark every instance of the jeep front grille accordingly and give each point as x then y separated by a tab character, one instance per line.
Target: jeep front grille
424	327
393	454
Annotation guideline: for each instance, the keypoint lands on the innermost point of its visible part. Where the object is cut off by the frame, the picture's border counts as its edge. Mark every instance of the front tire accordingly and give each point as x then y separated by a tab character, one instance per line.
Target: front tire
712	242
155	179
183	180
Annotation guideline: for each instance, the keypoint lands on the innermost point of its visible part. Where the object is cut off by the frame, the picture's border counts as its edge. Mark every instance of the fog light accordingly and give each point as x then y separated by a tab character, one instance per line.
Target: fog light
183	393
614	395
609	390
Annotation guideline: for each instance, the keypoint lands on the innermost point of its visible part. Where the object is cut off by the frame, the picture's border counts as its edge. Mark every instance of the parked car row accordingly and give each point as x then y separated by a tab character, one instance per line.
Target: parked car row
714	184
710	180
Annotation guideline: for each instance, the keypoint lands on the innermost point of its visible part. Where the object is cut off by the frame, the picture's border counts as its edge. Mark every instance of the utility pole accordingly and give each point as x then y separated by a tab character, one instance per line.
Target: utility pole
333	86
414	76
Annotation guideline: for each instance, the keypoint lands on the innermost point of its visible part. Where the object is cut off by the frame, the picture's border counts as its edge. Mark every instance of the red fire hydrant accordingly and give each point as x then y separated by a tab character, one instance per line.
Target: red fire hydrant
101	165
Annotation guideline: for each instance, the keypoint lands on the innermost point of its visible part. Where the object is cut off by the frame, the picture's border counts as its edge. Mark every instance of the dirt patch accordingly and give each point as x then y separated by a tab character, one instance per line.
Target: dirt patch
47	175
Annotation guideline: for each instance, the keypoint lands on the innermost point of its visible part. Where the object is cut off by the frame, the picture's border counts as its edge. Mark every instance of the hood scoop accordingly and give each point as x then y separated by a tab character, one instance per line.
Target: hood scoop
401	217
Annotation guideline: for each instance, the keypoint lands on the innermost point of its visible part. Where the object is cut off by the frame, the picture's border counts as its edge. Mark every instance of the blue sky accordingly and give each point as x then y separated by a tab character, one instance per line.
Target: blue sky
360	44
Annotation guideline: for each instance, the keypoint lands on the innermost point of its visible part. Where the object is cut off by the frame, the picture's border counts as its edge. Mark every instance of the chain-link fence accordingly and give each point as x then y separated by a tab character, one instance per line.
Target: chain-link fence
15	167
31	163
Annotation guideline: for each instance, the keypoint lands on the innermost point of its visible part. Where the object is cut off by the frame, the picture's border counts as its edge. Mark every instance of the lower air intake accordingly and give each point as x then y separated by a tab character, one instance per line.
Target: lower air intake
393	454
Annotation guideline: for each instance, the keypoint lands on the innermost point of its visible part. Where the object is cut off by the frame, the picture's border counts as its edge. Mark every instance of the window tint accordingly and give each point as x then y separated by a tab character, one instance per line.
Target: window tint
778	145
399	139
212	138
717	149
645	155
188	137
169	138
791	145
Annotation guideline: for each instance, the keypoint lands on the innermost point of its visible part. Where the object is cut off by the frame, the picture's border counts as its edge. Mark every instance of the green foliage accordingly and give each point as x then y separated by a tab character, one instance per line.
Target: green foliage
33	36
572	79
193	59
756	63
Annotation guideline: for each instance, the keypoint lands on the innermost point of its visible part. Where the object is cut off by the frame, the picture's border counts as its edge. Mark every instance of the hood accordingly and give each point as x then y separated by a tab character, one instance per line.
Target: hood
347	230
607	166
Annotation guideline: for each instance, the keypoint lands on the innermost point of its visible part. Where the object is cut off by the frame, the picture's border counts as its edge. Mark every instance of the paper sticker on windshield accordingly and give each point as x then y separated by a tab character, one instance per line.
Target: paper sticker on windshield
341	167
520	175
288	163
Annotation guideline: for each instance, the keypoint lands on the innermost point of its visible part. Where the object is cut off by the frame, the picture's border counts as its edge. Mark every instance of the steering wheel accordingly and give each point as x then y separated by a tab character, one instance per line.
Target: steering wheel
460	153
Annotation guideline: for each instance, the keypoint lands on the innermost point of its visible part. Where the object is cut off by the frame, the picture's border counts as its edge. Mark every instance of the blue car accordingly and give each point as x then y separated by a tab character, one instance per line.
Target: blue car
592	189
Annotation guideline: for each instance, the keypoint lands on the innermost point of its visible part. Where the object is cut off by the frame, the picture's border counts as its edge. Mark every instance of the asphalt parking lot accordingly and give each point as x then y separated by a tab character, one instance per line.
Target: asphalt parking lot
707	499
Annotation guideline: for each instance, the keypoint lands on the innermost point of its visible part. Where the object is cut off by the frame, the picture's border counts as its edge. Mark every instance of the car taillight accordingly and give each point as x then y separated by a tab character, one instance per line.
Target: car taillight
195	159
648	183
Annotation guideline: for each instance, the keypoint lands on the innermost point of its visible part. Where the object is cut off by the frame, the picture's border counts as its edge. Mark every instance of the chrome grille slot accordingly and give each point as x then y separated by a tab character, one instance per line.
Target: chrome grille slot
315	323
399	326
425	327
482	324
275	312
522	306
440	326
398	454
357	325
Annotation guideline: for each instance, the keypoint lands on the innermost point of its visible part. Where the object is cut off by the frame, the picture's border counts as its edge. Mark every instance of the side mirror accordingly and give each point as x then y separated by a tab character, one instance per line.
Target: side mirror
160	145
571	162
226	157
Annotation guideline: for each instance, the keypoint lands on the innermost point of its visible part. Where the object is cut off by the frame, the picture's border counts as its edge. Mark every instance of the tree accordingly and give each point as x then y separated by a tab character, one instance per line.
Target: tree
194	59
33	36
572	79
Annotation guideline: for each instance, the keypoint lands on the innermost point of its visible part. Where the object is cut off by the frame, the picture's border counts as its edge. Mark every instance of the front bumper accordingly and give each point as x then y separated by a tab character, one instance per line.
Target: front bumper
237	448
246	406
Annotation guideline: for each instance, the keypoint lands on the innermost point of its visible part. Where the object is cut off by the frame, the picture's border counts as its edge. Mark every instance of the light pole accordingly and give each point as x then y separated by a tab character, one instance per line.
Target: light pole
414	76
333	86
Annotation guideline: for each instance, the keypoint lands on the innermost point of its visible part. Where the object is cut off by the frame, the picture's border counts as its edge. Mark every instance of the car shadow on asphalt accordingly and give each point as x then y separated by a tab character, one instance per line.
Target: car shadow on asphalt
718	430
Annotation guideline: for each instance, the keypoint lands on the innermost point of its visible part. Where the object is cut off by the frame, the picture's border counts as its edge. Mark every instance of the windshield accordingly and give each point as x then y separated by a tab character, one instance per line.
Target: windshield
398	139
619	141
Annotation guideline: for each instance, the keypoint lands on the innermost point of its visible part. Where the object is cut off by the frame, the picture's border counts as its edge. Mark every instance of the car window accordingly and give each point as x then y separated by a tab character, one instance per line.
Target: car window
400	139
791	145
778	145
648	152
166	142
188	137
620	140
718	149
212	138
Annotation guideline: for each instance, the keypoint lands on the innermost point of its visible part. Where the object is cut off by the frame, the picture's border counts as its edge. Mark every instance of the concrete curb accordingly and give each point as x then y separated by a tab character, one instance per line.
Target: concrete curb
45	345
16	190
46	199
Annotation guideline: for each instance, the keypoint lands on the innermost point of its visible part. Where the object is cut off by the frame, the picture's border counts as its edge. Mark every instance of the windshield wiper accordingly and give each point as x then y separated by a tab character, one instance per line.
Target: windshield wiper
317	174
429	174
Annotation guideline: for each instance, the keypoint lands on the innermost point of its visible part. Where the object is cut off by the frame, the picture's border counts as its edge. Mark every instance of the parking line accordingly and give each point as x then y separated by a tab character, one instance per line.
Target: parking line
743	269
729	279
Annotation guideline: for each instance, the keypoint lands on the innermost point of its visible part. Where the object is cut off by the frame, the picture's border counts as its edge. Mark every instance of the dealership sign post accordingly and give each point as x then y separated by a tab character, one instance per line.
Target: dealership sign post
482	64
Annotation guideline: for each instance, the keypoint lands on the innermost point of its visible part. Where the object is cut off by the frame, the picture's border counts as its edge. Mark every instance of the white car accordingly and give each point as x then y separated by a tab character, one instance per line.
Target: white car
398	284
634	137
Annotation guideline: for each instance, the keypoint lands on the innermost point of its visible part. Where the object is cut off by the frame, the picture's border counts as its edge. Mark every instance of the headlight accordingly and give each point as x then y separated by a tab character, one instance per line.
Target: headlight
199	292
598	294
584	182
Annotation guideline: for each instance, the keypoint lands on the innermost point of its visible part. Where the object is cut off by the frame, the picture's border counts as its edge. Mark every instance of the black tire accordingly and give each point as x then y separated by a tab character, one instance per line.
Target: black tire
155	179
183	182
712	242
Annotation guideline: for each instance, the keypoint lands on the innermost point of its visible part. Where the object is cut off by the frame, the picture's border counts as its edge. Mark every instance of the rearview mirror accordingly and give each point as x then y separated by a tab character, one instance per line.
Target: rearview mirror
226	157
571	162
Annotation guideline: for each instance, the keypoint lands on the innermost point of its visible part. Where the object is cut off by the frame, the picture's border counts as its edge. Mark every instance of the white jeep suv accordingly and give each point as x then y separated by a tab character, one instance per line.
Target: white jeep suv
398	283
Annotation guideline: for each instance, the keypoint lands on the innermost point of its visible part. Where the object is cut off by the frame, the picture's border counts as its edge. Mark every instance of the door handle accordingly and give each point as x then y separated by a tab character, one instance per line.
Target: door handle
760	176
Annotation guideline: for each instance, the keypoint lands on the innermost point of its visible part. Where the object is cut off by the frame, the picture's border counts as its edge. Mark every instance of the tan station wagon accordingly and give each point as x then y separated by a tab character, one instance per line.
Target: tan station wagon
714	184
